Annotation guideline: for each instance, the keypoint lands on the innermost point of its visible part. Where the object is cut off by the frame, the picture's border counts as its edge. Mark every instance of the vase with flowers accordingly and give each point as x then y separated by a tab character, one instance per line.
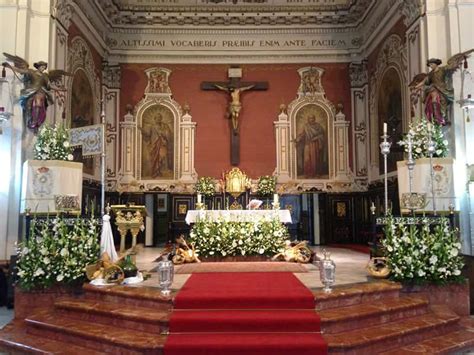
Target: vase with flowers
266	187
205	187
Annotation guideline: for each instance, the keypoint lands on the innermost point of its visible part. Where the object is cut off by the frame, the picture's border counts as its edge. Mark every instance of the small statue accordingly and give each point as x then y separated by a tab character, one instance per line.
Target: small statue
184	252
296	252
36	95
437	88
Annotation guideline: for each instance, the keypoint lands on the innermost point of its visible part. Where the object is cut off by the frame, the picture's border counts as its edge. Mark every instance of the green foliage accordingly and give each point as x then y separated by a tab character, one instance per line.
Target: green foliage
266	185
53	144
419	132
265	237
423	253
205	186
57	253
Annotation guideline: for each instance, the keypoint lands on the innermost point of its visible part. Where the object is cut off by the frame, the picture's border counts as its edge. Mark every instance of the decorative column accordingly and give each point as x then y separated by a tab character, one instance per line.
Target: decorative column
282	135
360	113
187	132
128	133
341	127
111	79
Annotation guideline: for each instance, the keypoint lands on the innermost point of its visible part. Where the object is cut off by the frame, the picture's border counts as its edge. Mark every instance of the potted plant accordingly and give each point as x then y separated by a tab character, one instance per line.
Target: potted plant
52	172
438	169
53	261
424	255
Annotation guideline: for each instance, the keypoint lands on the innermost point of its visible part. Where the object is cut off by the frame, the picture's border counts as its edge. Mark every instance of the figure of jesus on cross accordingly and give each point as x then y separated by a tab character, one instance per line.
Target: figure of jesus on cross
234	105
235	88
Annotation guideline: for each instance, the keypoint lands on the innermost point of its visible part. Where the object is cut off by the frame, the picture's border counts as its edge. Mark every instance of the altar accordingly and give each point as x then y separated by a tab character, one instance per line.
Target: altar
283	216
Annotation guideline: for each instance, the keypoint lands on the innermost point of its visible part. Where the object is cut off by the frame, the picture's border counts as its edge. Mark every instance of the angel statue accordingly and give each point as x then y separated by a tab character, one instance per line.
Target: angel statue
437	87
36	95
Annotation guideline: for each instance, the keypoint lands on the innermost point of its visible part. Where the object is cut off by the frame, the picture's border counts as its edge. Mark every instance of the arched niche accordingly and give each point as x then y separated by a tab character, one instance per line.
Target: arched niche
84	97
389	75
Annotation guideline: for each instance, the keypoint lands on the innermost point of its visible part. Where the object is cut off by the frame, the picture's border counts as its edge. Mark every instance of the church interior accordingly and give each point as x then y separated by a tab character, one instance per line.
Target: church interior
237	176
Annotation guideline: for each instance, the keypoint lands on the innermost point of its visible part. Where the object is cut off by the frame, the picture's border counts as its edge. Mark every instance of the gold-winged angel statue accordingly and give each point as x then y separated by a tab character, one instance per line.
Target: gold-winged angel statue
436	87
37	94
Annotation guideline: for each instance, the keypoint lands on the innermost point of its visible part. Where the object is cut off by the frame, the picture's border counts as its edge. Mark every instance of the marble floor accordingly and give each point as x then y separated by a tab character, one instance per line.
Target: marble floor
350	268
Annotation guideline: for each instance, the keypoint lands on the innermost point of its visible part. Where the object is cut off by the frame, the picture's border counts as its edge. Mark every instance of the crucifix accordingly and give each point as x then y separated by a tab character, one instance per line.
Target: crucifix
234	87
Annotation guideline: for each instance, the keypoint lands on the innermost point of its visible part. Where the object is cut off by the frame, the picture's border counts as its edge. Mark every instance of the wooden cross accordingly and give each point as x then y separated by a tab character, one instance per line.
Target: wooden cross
234	87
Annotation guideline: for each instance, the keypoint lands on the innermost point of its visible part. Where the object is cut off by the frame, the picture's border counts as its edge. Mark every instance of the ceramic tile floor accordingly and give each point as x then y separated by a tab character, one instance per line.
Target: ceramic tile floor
350	268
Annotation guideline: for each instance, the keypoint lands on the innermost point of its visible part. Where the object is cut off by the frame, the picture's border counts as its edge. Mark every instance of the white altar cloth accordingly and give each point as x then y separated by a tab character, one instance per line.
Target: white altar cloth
238	215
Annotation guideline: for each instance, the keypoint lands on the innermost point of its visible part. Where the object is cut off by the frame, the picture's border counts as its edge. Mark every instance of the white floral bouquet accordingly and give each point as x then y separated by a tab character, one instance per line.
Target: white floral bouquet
423	253
205	186
53	144
266	185
57	252
265	237
419	131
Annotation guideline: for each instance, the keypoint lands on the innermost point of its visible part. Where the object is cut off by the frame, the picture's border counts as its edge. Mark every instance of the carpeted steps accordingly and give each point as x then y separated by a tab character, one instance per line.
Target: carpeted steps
244	313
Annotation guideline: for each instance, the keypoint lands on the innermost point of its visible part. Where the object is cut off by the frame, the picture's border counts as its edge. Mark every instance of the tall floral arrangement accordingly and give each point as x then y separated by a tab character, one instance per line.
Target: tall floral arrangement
53	143
205	186
266	185
57	252
219	238
425	252
419	131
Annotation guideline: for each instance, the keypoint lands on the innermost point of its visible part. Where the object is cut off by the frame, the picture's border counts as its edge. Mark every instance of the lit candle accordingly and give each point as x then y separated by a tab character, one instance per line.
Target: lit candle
275	198
385	128
199	198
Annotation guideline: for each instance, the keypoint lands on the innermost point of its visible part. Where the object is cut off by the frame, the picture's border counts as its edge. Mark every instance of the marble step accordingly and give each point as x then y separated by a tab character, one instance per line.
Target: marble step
457	342
15	340
138	318
350	295
100	337
372	340
129	295
336	320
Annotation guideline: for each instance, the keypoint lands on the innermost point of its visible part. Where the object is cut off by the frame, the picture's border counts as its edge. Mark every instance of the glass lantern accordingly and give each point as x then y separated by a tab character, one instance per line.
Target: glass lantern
327	271
166	274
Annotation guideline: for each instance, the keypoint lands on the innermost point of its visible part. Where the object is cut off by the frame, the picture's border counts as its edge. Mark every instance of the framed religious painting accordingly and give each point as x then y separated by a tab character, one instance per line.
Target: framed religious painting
390	111
82	113
312	152
157	158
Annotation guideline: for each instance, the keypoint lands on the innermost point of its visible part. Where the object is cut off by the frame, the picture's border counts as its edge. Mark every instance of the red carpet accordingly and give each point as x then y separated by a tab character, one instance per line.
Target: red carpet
355	247
244	313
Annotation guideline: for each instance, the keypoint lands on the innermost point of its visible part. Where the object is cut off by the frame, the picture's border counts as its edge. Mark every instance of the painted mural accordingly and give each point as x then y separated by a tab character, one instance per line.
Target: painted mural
82	113
390	111
157	159
312	142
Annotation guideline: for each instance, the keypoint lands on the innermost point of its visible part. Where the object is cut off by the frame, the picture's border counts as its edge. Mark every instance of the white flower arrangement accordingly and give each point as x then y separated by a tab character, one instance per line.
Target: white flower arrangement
419	131
53	144
266	185
57	252
424	253
265	237
205	186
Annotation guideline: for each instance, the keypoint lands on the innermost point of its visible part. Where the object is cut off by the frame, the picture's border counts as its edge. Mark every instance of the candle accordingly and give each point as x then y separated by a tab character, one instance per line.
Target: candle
275	198
385	128
429	126
199	198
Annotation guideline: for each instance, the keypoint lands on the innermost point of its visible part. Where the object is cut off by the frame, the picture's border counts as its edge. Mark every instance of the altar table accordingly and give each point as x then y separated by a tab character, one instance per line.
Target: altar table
193	216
